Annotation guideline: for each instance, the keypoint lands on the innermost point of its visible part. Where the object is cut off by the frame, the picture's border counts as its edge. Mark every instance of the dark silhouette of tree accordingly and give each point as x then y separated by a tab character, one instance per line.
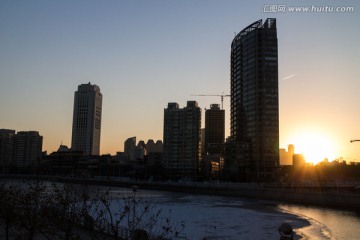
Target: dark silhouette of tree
73	212
9	198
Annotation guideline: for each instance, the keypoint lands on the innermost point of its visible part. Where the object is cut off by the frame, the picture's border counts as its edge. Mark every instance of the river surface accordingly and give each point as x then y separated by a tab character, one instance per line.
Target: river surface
327	223
236	218
233	218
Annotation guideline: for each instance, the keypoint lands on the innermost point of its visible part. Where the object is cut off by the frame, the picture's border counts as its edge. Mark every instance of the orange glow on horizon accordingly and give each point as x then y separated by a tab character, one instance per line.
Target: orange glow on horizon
315	146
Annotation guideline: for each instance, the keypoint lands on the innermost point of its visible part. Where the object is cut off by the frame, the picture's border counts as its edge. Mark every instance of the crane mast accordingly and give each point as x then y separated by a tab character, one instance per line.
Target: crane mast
216	95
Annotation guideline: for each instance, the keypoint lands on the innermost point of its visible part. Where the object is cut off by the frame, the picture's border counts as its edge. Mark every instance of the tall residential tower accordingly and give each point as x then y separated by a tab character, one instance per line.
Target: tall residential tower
214	130
254	100
28	148
7	146
87	119
182	131
22	149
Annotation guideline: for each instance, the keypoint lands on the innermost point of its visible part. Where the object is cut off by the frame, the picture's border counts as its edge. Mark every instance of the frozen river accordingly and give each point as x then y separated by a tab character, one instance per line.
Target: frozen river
235	218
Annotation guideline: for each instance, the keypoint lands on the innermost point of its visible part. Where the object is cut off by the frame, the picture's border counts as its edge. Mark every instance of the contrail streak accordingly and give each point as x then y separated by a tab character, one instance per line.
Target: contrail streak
289	76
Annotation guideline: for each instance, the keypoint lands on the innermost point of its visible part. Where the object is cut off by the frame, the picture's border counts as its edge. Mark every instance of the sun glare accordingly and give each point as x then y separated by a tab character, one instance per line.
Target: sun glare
315	147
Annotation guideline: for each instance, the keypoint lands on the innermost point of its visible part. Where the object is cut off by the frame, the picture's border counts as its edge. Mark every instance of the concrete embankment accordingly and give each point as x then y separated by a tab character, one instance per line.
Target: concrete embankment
329	196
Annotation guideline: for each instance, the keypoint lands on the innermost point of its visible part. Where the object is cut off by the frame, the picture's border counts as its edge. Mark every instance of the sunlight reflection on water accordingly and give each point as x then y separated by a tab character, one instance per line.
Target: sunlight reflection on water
333	224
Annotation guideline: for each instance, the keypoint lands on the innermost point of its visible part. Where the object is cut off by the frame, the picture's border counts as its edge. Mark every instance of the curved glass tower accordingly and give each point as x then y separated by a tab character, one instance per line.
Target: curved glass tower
254	101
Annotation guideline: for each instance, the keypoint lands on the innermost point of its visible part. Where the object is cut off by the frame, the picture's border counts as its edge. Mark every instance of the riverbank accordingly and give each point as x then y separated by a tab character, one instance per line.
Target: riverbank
340	197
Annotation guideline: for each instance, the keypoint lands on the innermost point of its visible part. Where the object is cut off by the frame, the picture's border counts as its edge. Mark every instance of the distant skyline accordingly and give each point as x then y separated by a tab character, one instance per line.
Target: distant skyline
145	54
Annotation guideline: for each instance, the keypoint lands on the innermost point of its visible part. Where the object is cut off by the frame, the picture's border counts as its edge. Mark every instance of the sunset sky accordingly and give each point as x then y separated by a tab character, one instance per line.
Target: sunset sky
144	54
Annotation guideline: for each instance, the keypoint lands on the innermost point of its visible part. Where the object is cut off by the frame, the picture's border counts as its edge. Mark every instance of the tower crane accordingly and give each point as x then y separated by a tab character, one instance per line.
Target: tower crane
212	95
354	140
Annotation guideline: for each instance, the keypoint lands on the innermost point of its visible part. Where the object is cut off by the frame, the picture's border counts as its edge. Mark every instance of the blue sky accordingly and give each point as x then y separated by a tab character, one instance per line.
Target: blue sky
144	54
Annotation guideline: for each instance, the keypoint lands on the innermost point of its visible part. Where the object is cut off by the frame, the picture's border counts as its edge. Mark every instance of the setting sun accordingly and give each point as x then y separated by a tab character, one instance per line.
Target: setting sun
314	146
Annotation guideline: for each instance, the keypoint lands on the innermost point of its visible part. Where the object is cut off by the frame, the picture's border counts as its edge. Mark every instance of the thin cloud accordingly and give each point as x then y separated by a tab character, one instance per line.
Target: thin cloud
289	76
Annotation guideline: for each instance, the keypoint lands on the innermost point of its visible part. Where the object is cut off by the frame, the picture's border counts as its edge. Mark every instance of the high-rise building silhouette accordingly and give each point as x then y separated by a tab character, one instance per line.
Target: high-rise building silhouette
214	130
151	146
129	146
181	148
154	152
28	148
7	146
87	119
286	157
22	149
291	149
254	100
